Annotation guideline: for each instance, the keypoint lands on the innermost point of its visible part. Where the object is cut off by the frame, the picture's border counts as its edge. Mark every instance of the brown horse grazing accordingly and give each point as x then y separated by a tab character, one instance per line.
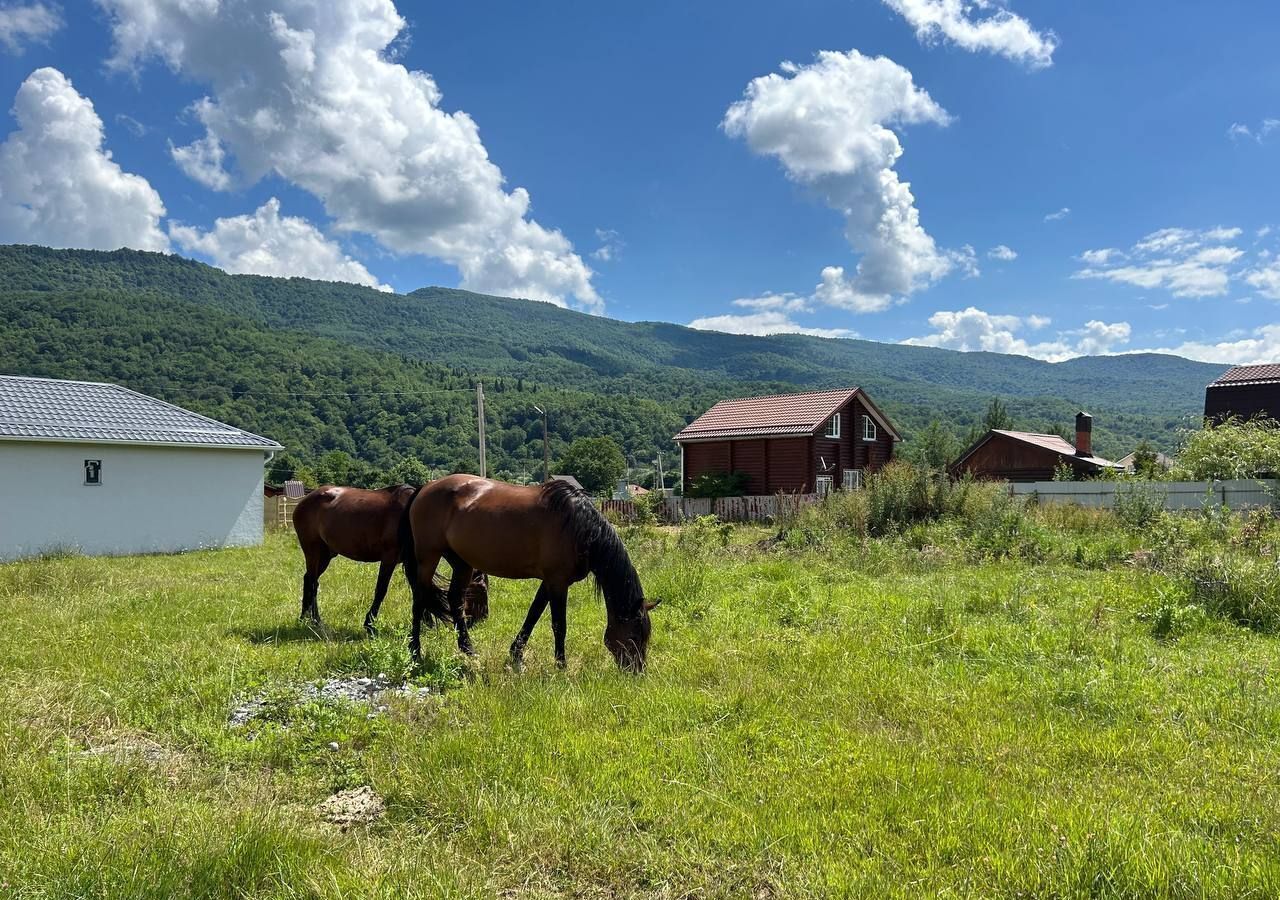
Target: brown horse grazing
362	525
552	532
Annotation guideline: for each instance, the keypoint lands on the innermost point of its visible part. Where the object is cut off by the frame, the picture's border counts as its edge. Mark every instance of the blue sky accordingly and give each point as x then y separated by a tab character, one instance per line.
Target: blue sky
1033	177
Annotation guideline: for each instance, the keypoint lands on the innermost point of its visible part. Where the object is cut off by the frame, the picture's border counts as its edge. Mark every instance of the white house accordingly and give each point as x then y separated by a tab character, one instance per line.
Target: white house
100	469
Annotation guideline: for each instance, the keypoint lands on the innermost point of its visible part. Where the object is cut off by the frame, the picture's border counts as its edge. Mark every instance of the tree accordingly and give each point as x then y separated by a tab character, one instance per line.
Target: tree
997	416
596	462
336	467
937	446
410	470
1146	461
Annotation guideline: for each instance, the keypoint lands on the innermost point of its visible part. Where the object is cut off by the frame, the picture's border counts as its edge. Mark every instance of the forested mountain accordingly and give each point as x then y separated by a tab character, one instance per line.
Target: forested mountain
324	366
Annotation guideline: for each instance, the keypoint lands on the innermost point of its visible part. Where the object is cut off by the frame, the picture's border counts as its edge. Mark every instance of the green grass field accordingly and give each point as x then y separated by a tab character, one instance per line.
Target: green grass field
911	716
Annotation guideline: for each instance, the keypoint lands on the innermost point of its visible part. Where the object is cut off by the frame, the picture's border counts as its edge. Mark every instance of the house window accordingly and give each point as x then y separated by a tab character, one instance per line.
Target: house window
93	471
868	429
852	480
824	485
833	426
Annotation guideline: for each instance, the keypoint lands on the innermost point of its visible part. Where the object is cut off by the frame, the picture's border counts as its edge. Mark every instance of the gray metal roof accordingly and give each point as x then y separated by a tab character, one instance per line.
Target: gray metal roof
46	409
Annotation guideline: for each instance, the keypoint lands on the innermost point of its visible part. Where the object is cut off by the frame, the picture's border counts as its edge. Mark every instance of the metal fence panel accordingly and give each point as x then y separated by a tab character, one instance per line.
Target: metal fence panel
1178	495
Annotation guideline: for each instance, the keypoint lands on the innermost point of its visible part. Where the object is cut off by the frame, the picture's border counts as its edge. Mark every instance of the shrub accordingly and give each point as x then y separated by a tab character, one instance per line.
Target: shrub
1233	449
712	485
1138	505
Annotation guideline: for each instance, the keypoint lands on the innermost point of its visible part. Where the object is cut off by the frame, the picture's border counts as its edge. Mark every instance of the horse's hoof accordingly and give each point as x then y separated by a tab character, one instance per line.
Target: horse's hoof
370	629
562	664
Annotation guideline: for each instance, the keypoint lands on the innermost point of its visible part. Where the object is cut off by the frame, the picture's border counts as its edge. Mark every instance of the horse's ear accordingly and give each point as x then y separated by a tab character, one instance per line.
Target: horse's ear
650	604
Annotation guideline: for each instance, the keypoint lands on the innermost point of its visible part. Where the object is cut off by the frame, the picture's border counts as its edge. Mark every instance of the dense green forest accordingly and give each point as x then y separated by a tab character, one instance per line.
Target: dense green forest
325	367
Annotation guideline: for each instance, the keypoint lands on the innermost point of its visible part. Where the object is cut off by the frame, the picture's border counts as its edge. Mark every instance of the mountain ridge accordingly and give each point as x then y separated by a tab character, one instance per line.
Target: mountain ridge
465	336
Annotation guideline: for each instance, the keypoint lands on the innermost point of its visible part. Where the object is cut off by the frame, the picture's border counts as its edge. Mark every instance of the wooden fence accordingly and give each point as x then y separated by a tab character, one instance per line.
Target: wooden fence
277	512
1176	495
728	509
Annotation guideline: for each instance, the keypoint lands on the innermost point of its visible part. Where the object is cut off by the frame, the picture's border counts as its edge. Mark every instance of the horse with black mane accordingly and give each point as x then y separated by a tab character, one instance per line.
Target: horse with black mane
552	532
363	526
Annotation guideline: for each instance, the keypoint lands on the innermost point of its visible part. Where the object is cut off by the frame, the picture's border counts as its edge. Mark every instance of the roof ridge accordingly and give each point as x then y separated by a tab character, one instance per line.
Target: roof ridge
792	394
59	380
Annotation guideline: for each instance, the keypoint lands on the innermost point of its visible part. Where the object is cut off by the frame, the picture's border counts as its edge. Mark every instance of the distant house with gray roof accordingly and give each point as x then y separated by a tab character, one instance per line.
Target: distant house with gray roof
99	469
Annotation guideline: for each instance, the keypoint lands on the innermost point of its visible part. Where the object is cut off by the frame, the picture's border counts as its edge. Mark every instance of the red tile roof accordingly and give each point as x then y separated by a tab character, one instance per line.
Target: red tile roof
1249	375
775	416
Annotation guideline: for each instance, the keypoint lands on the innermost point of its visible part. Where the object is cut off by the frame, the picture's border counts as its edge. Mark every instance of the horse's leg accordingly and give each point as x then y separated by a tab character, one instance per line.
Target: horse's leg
318	559
386	569
420	581
457	588
559	604
535	613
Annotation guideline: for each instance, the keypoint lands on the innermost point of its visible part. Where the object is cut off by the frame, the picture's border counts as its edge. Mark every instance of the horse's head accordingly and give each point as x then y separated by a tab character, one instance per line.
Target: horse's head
628	639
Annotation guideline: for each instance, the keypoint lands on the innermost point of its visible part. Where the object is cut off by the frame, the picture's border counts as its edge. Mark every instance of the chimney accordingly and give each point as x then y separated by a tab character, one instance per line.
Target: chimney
1084	434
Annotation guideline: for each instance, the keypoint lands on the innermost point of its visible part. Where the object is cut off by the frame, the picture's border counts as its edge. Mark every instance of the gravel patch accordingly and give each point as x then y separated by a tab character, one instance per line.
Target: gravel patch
350	689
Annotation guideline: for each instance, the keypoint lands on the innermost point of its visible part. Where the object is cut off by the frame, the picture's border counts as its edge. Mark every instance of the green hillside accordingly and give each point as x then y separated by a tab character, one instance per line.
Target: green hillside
324	366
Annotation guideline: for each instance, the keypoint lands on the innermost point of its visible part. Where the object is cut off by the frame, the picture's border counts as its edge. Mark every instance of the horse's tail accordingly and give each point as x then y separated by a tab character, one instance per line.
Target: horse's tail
408	552
436	604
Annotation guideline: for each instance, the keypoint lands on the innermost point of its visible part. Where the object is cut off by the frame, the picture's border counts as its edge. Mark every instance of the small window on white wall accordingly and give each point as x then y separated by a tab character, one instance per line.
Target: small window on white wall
868	429
833	426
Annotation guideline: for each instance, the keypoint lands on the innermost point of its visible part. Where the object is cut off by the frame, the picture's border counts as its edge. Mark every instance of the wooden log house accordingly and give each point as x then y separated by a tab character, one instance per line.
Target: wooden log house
790	443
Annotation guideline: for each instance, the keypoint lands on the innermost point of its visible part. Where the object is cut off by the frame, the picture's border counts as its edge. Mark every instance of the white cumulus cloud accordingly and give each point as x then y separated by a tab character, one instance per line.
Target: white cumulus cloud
311	92
60	187
1059	215
978	25
1002	253
770	314
267	243
27	23
1262	345
1183	261
830	124
974	329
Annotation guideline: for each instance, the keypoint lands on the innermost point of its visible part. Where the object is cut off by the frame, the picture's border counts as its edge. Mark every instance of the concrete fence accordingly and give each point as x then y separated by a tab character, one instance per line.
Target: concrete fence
1177	495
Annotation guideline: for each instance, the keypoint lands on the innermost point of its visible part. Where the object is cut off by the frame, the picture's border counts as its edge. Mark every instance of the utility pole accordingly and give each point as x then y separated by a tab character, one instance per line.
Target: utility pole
662	484
546	448
484	466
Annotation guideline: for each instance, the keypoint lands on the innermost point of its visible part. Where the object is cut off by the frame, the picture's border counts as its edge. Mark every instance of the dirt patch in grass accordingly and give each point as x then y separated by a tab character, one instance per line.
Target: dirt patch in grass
358	806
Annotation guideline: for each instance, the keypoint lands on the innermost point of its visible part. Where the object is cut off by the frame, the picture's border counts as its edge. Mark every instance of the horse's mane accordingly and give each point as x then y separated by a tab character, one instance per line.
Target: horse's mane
597	541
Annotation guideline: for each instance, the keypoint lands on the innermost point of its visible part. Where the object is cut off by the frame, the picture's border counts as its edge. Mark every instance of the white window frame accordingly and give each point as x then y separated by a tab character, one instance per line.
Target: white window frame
823	485
852	480
869	431
833	426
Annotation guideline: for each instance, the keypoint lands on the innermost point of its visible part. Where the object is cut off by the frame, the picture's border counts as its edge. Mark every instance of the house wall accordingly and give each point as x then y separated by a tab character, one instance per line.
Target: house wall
770	464
151	499
1244	401
850	450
